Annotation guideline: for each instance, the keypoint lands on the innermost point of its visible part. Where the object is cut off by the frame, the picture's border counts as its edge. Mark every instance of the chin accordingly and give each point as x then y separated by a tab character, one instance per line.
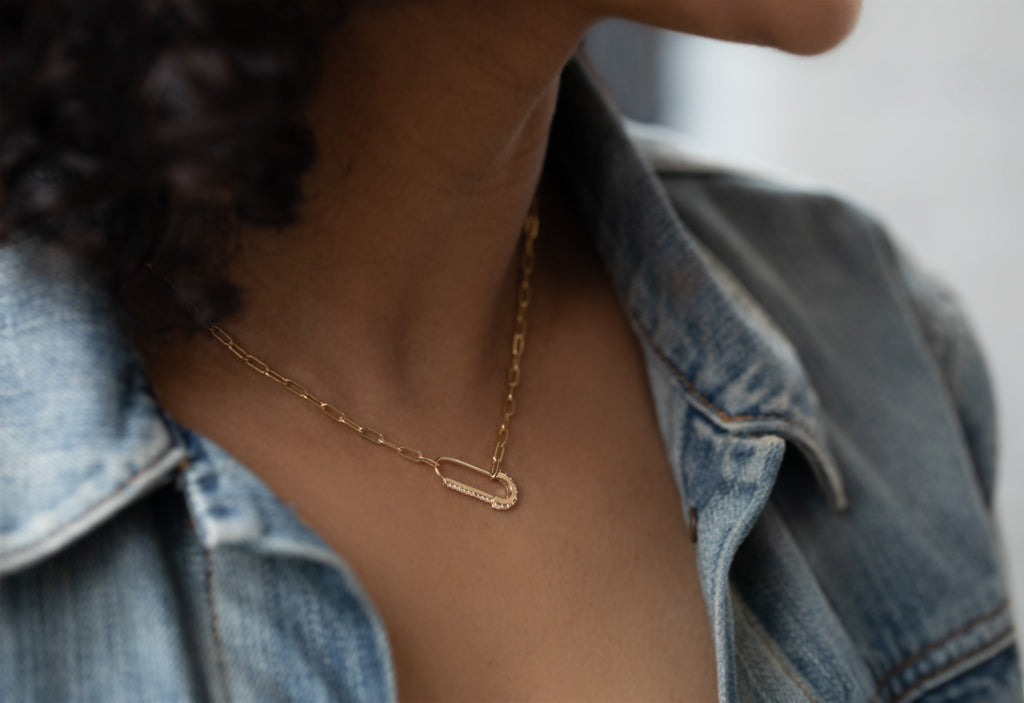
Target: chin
803	27
813	27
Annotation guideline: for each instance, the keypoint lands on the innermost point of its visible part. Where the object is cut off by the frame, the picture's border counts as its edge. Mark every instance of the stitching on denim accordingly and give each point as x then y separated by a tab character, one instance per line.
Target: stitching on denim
772	649
64	526
921	653
93	507
692	389
941	670
584	192
214	628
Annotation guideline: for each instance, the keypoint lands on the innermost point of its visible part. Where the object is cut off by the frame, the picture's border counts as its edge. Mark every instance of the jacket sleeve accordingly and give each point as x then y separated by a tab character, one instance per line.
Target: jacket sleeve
953	344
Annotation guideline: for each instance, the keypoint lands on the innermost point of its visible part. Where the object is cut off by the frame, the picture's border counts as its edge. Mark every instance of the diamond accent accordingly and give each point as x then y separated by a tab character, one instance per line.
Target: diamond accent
497	502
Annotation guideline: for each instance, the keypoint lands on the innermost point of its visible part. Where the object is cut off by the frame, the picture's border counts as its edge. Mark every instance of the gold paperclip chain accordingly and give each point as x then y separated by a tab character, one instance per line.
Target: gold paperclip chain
531	227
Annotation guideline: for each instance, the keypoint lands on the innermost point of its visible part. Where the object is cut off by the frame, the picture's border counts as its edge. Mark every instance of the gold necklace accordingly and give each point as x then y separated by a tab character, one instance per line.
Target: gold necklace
531	227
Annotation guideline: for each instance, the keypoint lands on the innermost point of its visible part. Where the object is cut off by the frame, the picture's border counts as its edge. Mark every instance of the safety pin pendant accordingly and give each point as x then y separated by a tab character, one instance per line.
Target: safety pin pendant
498	502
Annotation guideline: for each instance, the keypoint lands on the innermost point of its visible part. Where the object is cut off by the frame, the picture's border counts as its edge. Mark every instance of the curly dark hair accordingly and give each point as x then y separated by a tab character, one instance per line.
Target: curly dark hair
145	130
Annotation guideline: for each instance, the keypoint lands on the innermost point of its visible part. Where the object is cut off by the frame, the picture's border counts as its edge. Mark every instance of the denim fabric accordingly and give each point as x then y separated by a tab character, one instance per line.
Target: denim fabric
824	408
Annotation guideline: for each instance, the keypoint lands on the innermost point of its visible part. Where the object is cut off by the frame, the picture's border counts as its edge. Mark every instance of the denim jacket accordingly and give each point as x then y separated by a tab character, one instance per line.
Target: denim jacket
823	405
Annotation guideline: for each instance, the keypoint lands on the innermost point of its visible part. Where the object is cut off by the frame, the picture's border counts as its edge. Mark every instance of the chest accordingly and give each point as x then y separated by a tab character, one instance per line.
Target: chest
587	589
582	593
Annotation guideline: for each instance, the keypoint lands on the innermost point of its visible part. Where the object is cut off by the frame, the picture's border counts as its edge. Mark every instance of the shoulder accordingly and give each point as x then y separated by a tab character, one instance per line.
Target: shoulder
906	401
828	268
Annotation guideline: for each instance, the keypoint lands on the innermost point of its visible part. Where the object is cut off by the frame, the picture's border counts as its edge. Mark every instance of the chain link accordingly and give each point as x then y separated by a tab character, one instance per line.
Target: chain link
531	227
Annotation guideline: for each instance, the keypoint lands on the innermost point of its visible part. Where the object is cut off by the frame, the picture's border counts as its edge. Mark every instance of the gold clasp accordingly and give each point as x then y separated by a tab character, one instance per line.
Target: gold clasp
498	502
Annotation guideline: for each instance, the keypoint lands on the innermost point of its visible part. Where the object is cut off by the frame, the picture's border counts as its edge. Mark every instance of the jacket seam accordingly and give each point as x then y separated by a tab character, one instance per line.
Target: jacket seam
801	436
769	645
14	554
95	505
687	384
921	653
218	645
692	389
998	639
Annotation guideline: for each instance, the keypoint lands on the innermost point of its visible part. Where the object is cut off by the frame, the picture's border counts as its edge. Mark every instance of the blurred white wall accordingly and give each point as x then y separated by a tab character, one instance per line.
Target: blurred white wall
919	115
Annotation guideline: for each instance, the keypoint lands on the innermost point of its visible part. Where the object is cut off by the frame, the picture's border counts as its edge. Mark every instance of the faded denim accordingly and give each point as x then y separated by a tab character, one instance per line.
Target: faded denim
823	405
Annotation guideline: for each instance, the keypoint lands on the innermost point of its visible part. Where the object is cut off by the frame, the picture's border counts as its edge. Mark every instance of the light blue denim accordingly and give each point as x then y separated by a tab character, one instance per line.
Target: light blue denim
824	408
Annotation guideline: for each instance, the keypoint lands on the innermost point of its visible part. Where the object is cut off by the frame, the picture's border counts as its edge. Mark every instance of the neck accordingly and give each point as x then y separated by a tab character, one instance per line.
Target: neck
432	123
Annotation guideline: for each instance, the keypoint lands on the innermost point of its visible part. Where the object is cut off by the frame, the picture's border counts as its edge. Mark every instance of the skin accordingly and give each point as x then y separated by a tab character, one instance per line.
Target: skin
432	123
393	297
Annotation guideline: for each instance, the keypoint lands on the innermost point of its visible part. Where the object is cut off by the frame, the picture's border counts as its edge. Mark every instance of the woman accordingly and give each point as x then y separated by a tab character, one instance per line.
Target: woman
697	499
